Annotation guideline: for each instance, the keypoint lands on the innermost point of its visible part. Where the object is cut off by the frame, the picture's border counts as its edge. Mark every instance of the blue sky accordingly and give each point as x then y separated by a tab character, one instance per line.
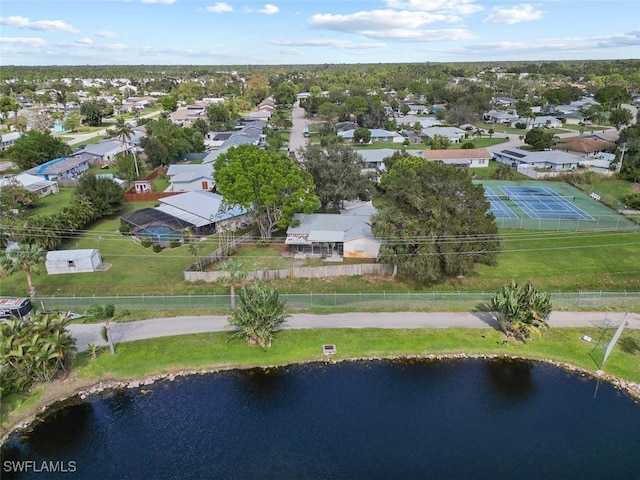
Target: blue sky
235	32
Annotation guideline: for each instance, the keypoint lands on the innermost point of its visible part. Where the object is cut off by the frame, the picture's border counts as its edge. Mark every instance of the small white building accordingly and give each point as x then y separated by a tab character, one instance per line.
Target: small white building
72	261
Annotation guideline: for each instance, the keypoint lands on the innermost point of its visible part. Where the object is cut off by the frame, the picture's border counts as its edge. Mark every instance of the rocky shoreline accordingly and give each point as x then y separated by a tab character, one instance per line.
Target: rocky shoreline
80	394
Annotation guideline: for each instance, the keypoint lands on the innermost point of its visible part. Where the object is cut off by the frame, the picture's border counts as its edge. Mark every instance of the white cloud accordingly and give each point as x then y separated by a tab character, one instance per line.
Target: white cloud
167	2
457	7
549	45
28	41
339	44
46	25
219	7
519	13
268	9
85	41
381	20
402	35
106	34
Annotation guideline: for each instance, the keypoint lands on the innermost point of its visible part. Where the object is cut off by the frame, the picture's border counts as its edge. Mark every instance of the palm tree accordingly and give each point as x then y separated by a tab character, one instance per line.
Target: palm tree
235	275
94	350
260	313
26	257
124	132
108	314
521	310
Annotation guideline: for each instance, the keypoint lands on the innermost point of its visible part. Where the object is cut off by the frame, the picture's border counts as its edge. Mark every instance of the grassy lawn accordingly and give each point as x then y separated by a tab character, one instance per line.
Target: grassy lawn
52	203
617	188
160	183
487	173
214	350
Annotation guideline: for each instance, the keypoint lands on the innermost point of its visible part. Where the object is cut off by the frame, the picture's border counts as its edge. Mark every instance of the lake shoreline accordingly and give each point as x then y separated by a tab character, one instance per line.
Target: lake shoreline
62	392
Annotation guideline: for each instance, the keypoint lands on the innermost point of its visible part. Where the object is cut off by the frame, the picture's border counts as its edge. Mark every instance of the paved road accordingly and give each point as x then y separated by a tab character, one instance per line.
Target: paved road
164	327
299	123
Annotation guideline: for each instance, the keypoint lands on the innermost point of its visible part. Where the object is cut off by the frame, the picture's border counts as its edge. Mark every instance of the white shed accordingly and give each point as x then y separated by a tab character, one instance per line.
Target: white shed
72	261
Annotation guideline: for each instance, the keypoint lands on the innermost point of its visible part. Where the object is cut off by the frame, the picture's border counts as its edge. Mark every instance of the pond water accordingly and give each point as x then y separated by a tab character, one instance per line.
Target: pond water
472	419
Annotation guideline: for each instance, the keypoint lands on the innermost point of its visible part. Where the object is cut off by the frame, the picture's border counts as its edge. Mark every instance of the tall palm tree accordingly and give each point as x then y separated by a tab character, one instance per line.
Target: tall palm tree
26	257
108	314
235	275
124	132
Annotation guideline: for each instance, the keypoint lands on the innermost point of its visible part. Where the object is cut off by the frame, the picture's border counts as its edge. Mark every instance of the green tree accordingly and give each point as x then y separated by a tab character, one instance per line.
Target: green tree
619	117
521	309
26	258
361	135
34	351
268	184
433	221
35	148
124	167
539	139
439	142
503	172
259	314
7	105
336	171
235	275
219	118
124	133
13	196
94	111
156	152
73	121
105	195
285	94
169	103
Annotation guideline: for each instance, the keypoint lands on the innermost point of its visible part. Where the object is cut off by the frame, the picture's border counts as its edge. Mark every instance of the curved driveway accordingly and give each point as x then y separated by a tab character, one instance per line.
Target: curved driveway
165	327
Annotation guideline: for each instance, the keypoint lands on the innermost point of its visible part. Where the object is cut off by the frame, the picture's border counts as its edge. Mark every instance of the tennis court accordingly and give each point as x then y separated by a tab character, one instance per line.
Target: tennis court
550	205
545	203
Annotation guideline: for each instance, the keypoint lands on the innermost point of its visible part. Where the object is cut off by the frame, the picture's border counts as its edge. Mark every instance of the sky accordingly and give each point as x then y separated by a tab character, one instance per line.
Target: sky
238	32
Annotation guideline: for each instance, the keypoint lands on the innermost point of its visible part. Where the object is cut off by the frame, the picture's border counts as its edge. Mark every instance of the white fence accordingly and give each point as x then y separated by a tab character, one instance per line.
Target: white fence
299	272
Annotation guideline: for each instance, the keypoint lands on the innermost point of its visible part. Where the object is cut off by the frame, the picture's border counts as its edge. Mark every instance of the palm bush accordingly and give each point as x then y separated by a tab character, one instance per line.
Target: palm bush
521	310
260	312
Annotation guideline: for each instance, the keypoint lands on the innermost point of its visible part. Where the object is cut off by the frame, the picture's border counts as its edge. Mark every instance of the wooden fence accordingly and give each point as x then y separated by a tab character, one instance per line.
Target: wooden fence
328	271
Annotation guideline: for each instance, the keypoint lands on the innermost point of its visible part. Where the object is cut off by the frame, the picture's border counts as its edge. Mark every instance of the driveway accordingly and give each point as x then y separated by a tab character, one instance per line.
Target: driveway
296	137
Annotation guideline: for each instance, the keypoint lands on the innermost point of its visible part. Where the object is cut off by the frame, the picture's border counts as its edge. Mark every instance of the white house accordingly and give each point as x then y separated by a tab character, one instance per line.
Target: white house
72	261
454	134
467	158
377	135
499	116
32	183
191	177
549	159
347	234
8	139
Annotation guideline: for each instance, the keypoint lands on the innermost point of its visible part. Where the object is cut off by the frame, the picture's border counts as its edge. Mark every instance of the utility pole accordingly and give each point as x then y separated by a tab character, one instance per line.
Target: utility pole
624	149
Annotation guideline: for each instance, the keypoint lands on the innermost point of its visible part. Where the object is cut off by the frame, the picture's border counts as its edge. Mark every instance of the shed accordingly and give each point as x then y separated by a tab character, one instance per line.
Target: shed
72	261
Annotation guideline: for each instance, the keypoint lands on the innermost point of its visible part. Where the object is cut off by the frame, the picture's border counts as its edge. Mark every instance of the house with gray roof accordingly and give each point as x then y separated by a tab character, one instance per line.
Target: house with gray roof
8	139
377	135
347	234
63	168
454	134
411	120
548	160
31	183
190	177
499	116
102	153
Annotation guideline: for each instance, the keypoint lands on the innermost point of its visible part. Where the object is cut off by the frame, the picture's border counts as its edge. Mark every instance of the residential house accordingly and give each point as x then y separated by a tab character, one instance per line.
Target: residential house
187	178
504	102
8	139
410	120
347	234
64	168
186	116
31	183
377	135
345	126
103	153
583	146
499	116
454	134
465	158
543	121
374	159
549	159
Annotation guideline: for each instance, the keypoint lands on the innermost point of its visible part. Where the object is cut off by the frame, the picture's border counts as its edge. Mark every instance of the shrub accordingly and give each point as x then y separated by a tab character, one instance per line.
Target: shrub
521	125
145	242
262	243
174	243
125	229
632	200
468	146
157	247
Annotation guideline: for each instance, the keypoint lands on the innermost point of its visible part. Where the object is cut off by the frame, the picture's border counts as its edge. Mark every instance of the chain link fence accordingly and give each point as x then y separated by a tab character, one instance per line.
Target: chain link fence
421	301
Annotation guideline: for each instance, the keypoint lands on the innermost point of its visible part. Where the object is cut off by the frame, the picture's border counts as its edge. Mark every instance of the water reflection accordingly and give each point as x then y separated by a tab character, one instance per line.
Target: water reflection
510	379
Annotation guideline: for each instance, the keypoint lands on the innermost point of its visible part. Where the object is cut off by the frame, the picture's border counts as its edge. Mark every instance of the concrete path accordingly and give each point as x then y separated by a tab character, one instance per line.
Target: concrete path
164	327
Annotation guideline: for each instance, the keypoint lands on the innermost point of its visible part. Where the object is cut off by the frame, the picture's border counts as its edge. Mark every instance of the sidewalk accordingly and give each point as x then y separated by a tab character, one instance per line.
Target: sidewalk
165	327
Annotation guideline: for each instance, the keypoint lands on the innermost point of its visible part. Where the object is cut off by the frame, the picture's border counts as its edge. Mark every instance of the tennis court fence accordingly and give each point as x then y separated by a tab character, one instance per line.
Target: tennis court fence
390	301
